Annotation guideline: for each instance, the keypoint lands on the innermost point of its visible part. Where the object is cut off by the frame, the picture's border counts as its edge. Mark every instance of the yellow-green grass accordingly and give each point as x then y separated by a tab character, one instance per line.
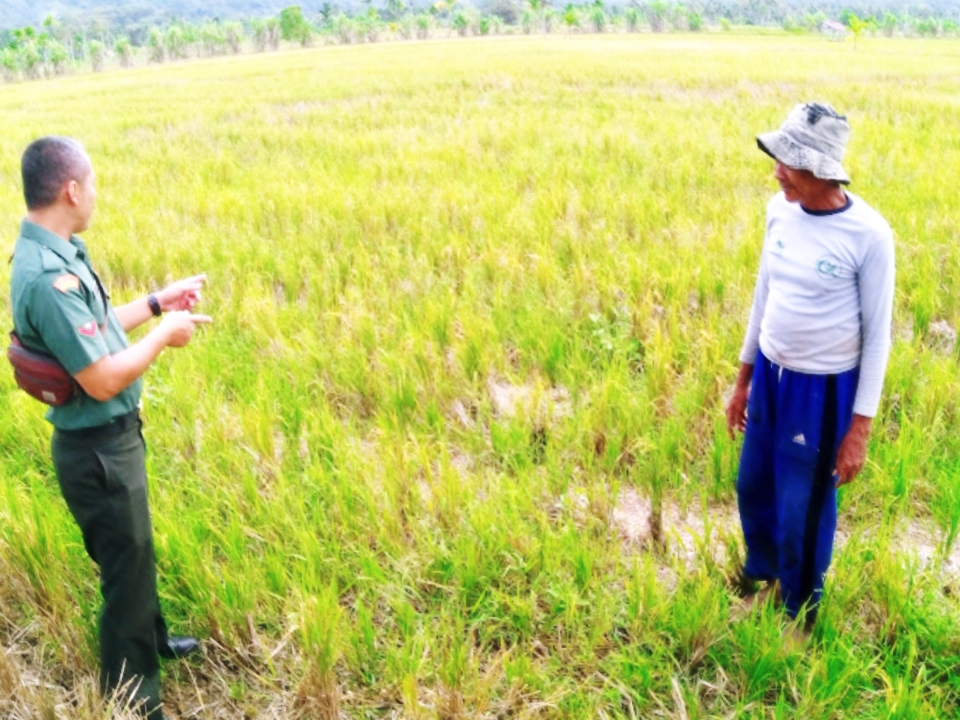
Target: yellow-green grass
394	234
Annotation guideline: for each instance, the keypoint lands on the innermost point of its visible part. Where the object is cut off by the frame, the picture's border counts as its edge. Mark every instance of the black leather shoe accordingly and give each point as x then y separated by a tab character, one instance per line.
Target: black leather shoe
178	647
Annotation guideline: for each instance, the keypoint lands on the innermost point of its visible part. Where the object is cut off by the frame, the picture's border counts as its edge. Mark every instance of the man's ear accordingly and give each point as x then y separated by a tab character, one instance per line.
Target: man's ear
71	191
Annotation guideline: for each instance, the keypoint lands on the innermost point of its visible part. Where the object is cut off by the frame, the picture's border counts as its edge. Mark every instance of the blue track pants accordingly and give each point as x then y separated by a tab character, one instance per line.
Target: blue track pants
786	489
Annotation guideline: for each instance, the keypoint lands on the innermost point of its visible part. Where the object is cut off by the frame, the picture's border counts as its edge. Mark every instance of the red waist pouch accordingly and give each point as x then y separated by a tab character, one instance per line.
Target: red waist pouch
39	375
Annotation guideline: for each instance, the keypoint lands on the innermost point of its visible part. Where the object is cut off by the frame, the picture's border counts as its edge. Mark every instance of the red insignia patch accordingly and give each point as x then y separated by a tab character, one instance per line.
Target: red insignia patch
66	283
88	329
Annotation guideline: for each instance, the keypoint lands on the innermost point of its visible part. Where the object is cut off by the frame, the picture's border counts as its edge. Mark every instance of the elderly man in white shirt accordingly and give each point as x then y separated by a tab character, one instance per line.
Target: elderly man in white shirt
812	361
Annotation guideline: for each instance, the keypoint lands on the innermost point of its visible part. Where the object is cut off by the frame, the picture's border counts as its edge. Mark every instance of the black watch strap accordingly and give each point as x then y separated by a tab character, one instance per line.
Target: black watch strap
154	305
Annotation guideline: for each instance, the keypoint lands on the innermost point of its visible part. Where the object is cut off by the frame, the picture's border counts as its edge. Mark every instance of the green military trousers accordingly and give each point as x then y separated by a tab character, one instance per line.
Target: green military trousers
102	473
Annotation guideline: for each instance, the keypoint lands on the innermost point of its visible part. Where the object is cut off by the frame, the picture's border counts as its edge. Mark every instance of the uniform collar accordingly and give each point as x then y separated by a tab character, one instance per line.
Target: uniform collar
67	250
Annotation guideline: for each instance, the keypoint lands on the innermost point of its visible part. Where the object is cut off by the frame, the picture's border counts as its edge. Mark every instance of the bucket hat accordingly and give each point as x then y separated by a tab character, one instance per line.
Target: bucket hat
813	137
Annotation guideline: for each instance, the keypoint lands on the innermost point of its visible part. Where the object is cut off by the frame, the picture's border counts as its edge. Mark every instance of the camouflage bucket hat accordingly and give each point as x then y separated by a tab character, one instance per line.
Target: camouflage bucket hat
813	138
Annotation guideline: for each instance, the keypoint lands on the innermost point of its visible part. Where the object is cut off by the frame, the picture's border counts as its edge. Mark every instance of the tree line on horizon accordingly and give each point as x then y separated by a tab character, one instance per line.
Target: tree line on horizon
56	48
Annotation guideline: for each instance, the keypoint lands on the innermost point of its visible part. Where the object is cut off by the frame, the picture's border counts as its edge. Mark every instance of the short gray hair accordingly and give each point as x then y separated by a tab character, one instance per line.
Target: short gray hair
47	165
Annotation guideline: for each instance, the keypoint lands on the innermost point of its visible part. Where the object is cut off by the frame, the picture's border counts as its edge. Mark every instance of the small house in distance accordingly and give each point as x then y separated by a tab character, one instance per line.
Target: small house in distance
833	29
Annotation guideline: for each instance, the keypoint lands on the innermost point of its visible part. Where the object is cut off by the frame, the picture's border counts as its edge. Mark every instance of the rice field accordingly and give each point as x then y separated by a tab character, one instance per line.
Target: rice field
454	446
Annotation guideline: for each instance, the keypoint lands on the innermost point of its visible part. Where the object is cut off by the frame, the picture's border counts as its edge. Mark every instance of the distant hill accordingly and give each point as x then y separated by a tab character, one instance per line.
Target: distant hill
19	13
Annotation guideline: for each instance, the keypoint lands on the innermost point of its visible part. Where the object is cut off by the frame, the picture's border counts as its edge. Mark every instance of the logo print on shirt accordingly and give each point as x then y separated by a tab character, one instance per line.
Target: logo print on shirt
88	329
778	247
800	439
828	267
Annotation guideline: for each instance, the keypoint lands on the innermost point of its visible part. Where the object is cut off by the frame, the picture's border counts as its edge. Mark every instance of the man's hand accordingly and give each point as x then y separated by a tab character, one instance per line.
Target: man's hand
737	411
178	327
853	450
737	405
182	295
109	375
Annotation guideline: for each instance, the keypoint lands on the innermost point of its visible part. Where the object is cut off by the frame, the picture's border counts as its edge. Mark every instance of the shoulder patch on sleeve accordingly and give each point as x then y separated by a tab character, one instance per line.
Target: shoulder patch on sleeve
67	282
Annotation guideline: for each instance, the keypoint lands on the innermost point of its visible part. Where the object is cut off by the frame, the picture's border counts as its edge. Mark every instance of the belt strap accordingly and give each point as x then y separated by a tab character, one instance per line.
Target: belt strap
114	427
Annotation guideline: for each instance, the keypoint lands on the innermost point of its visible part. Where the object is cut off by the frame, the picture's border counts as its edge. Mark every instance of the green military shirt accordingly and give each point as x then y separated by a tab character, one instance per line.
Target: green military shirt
58	309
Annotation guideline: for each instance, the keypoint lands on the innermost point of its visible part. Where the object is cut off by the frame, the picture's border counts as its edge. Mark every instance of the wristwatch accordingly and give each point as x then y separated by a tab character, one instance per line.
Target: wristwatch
154	305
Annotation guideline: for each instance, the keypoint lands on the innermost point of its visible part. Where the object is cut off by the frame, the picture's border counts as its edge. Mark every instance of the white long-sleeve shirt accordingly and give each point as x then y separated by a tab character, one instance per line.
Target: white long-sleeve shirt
823	303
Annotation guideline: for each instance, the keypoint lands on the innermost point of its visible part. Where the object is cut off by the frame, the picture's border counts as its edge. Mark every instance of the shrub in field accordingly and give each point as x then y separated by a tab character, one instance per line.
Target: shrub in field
631	17
233	34
344	29
176	42
124	51
30	60
9	64
368	26
552	19
680	18
528	21
406	27
598	16
423	22
294	26
213	39
926	27
97	53
657	13
156	42
57	57
272	25
537	14
460	23
813	21
261	35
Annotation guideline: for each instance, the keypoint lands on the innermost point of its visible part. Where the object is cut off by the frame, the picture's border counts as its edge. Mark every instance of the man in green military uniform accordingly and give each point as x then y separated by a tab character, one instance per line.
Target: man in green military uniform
61	309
